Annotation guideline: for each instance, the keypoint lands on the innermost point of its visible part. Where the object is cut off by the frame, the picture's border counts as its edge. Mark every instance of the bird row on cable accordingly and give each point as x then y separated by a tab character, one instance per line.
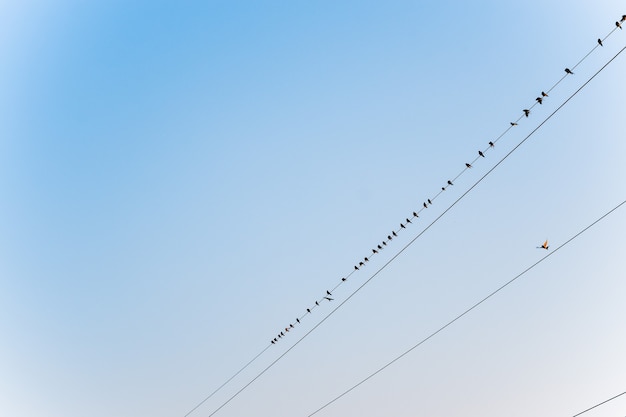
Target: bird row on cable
429	201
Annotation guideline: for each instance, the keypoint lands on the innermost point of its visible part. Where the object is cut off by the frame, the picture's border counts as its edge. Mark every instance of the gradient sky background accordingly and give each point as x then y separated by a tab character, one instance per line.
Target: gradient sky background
180	180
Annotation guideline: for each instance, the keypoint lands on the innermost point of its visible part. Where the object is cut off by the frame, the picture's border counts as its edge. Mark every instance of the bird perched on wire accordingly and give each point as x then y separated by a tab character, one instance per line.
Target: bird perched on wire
600	42
402	226
329	299
415	214
513	124
408	221
539	100
450	182
328	292
544	246
374	251
429	202
543	94
425	206
623	18
618	24
468	165
569	71
491	144
481	153
526	112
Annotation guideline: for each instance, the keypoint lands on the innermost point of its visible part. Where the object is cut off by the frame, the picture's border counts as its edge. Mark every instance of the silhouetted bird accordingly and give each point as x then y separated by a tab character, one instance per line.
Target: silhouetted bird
468	165
539	100
385	243
394	233
415	214
361	264
430	202
328	292
425	206
481	153
402	226
282	334
491	144
526	112
280	337
317	304
408	221
544	246
389	237
374	251
450	182
513	124
366	260
329	299
543	94
343	279
356	268
600	42
379	247
308	310
569	71
291	325
618	24
623	18
298	320
287	329
443	188
273	342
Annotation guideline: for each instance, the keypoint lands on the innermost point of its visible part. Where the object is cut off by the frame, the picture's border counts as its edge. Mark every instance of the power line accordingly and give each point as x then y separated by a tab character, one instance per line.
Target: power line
419	235
442	328
599	404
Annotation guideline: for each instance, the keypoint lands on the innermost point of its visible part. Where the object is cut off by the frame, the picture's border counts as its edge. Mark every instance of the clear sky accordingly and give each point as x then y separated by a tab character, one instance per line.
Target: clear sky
180	180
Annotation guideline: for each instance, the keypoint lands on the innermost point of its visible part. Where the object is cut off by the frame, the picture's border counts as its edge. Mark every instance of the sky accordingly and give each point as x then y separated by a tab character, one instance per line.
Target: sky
180	181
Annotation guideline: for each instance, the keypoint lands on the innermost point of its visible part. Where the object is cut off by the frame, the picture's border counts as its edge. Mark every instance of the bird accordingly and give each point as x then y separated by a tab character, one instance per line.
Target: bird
317	304
600	42
443	188
394	233
273	342
623	18
379	247
618	24
425	206
328	292
279	336
356	268
384	243
389	237
544	94
544	246
429	202
491	144
287	329
526	112
282	334
329	299
291	325
450	182
374	251
513	124
343	279
298	320
366	259
361	264
539	100
569	71
408	221
481	153
468	165
402	226
415	214
308	310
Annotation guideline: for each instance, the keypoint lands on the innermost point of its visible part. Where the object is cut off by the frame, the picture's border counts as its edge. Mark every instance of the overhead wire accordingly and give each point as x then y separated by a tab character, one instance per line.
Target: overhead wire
599	404
416	237
458	317
415	215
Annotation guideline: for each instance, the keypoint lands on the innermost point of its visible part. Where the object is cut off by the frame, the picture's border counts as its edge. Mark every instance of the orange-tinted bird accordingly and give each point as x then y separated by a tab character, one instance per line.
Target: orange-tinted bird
544	246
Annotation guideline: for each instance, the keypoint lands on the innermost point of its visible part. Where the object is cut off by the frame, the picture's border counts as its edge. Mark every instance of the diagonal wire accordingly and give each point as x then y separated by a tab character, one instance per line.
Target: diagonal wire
416	237
445	326
599	404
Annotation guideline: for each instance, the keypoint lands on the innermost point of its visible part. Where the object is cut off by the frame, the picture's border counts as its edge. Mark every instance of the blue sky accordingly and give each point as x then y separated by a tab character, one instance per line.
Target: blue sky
179	182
